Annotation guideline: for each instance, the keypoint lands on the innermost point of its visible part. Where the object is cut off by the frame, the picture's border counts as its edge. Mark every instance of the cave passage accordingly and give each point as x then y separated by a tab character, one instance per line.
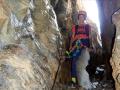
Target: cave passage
99	63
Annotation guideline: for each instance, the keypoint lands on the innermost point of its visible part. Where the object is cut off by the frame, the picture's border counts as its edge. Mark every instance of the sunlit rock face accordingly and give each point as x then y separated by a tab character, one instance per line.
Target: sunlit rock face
115	60
28	33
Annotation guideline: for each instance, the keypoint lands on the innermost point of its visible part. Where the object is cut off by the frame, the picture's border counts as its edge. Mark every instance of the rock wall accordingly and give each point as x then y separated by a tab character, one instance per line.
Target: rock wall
109	33
28	31
115	60
106	9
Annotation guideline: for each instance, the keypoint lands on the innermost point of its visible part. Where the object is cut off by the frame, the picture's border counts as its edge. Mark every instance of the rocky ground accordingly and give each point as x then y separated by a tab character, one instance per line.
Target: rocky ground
103	85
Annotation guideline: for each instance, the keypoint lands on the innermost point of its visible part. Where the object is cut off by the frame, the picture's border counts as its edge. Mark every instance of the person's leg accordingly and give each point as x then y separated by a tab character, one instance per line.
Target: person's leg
75	55
73	71
82	74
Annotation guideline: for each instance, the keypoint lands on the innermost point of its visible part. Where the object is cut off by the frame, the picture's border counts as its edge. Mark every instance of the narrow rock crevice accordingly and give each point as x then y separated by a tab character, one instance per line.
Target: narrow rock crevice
97	60
34	36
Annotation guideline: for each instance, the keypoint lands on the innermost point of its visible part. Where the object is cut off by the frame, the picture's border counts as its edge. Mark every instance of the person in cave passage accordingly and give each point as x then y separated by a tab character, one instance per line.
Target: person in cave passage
79	51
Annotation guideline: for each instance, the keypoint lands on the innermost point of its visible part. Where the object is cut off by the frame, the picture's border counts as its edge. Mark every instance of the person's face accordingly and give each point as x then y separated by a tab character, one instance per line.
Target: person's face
81	19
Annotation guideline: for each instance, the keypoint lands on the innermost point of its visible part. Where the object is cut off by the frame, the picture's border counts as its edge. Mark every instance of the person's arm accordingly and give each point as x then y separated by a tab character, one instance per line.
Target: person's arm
90	36
92	47
72	37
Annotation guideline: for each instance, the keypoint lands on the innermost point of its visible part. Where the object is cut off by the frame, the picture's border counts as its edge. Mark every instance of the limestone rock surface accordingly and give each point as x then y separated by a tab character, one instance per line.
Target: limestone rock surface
28	31
115	60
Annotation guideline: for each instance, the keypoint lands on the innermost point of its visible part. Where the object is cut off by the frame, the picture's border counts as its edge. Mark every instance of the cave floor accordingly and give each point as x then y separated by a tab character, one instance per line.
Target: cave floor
102	85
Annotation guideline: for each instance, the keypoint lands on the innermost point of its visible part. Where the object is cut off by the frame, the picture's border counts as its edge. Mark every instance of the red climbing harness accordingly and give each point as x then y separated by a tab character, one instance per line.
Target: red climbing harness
80	32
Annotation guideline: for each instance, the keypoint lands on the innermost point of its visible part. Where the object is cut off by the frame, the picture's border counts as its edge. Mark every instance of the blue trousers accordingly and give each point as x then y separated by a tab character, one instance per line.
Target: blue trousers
76	54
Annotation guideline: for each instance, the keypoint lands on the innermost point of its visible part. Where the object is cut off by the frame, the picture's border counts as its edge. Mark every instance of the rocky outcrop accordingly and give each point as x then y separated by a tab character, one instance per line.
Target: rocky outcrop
115	60
28	32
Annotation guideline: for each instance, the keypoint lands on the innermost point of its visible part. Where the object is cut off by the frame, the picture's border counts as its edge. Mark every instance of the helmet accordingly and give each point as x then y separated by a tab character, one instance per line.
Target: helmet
82	13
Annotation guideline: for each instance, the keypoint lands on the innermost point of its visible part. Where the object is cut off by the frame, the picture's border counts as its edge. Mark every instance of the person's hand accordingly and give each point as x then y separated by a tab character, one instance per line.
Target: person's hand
67	54
68	17
99	51
62	59
91	49
95	50
70	48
